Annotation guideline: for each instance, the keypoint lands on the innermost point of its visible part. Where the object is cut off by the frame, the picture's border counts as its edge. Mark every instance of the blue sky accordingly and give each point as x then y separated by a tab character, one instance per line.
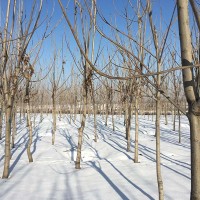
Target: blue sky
112	10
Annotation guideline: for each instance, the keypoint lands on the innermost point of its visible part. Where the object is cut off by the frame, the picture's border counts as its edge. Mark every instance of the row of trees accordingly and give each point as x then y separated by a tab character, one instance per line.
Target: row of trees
132	54
141	67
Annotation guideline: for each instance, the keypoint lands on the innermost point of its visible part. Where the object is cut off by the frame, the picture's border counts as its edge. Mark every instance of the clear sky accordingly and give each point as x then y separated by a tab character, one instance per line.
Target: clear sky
112	10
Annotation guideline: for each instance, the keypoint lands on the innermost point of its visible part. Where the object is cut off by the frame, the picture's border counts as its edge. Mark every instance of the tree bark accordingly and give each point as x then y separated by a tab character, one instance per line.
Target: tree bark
166	121
113	120
136	129
14	129
158	108
8	119
54	118
179	127
192	96
128	125
29	123
1	119
106	122
30	133
95	114
195	157
174	119
81	129
158	162
41	108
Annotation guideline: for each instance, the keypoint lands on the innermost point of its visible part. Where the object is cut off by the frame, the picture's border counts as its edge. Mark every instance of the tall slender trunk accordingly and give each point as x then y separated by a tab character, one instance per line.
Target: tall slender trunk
195	158
30	132
41	108
174	119
95	112
128	125
192	96
113	119
75	109
158	162
20	112
23	110
14	129
106	122
1	119
179	126
70	113
112	108
54	118
29	123
59	111
166	121
125	114
8	120
136	129
158	106
103	111
95	124
81	129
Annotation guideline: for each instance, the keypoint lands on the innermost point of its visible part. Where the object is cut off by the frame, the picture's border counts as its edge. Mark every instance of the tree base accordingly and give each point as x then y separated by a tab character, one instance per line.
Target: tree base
77	165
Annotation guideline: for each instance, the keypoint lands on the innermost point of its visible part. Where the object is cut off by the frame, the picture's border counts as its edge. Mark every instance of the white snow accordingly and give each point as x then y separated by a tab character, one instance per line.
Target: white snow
107	169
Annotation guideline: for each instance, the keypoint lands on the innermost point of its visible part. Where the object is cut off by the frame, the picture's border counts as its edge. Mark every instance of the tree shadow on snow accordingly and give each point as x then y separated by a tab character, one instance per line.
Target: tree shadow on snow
150	155
25	138
112	184
65	133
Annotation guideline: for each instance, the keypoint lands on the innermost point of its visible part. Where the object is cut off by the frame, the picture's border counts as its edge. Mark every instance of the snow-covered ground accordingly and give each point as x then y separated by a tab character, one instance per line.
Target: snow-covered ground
108	170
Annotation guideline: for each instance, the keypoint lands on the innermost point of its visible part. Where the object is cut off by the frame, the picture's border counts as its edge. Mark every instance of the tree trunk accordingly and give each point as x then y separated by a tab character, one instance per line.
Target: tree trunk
166	121
136	129
30	133
195	157
70	113
1	119
179	126
23	110
174	119
94	112
20	112
158	165
95	124
128	126
29	123
106	123
75	109
81	129
192	96
54	118
8	119
86	81
103	111
14	129
113	120
125	115
41	108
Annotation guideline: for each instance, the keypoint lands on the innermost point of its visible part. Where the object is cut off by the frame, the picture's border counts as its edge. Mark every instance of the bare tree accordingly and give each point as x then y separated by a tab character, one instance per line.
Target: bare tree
11	65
